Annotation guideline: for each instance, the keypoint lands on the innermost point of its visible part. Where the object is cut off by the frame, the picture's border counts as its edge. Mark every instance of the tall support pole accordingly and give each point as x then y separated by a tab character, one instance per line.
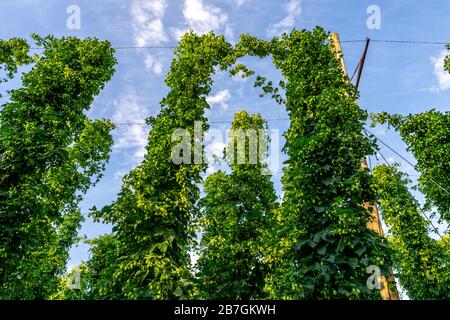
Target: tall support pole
374	223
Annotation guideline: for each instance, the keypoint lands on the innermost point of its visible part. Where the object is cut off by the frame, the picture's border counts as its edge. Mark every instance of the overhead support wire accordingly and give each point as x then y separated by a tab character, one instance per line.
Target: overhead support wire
399	41
436	230
408	162
360	68
412	42
343	41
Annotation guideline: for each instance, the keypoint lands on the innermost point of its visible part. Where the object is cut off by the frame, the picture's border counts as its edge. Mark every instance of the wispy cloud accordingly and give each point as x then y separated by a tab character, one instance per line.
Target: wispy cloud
129	109
147	22
202	18
442	76
149	28
153	64
221	98
293	10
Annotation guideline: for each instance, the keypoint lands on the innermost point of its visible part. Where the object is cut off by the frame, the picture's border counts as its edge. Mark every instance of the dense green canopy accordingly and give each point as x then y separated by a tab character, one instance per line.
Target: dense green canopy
315	244
50	150
237	219
422	264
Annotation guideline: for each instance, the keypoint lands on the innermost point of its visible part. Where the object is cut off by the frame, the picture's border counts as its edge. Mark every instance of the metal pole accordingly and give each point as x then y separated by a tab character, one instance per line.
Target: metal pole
361	63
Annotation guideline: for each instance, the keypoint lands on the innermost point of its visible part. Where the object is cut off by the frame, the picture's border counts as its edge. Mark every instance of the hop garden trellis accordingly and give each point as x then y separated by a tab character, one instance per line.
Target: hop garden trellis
163	196
320	246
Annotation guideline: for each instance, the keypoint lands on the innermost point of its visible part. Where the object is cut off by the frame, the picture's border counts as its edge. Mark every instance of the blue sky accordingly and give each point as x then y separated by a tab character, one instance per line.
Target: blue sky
401	78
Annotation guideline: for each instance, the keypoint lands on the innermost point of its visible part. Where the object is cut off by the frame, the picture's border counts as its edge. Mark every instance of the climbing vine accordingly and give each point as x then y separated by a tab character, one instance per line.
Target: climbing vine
421	263
49	152
14	53
323	182
96	276
153	213
427	136
237	219
324	244
315	245
325	247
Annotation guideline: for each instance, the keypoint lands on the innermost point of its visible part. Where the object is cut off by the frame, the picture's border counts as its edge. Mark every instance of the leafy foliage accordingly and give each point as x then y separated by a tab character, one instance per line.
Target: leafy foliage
237	217
314	246
68	290
422	263
447	61
104	252
13	54
96	276
427	136
49	152
324	245
154	211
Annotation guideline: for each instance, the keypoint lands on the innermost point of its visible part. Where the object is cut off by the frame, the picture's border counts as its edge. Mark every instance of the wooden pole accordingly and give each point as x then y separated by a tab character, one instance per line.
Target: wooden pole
374	223
361	63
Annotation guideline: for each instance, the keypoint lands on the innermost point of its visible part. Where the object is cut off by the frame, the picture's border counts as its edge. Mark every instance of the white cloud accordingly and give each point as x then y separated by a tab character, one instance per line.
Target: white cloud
178	33
153	64
213	150
147	22
201	18
293	9
229	33
128	109
442	76
149	28
221	98
211	169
